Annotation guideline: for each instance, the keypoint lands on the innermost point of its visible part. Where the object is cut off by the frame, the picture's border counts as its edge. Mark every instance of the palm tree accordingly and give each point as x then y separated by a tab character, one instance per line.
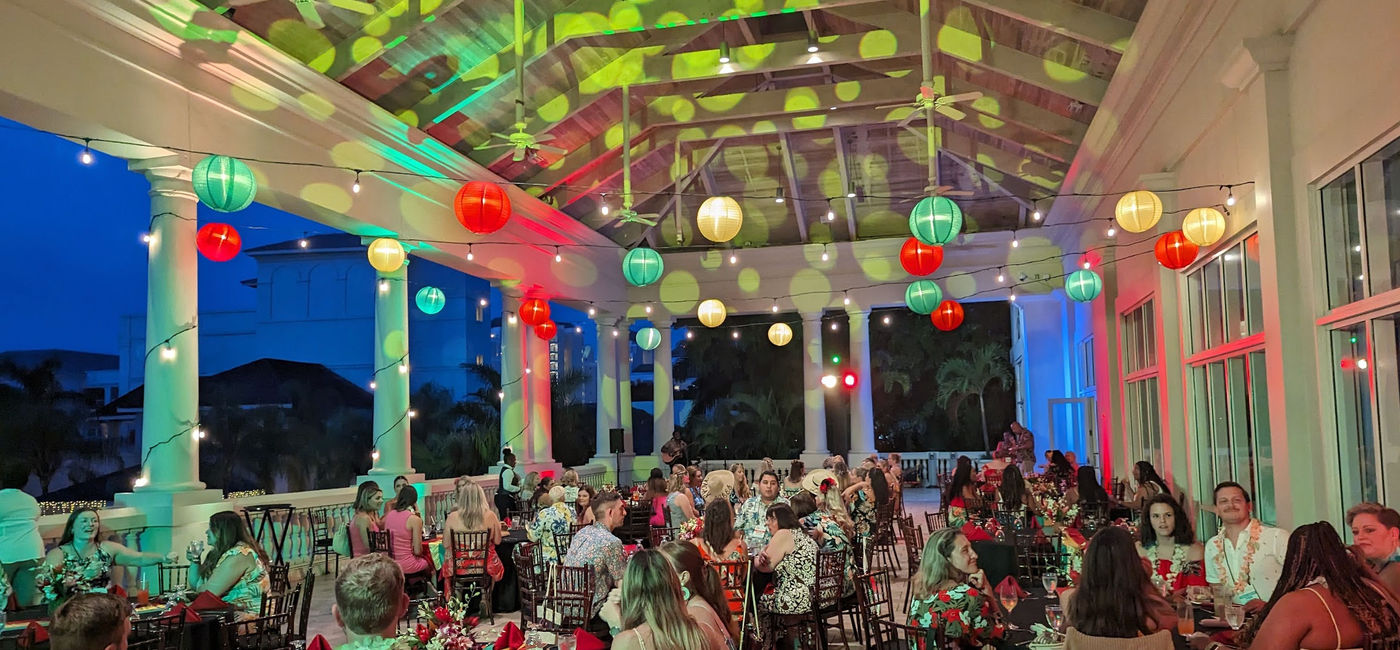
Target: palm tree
42	418
971	374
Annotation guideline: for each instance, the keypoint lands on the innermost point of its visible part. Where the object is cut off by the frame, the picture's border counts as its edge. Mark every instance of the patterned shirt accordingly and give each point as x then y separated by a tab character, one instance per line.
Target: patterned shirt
964	613
1230	563
551	521
752	521
599	548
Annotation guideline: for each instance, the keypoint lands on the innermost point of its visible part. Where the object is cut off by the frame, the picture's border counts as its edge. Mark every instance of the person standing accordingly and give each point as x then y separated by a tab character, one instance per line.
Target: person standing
1023	447
21	547
508	486
1246	557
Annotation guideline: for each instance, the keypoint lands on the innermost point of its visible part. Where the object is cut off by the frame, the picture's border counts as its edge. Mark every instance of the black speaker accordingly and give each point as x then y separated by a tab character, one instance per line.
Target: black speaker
615	441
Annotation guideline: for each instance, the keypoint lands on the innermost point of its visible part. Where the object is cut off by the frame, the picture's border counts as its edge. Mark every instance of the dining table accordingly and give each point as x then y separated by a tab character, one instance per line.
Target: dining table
1030	610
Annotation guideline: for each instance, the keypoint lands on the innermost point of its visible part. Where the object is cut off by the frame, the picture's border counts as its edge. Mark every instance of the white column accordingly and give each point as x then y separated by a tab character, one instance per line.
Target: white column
605	374
624	383
862	410
515	417
170	404
814	448
391	363
1170	356
539	437
663	393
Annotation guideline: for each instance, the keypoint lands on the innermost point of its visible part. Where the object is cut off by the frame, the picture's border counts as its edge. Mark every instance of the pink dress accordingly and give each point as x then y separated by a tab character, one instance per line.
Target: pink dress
356	547
401	542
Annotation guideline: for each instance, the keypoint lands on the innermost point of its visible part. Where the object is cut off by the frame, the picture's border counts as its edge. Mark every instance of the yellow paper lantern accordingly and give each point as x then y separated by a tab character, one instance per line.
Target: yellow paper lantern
1203	226
712	313
779	334
719	219
386	255
1138	211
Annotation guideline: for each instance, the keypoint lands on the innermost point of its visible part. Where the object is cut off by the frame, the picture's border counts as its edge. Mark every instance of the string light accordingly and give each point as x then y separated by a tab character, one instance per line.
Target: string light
356	186
403	368
557	256
1015	239
825	256
500	394
591	311
887	320
775	306
833	327
1013	294
779	198
197	434
1035	216
845	298
167	352
648	309
1086	266
470	256
481	302
733	258
141	481
724	51
603	198
830	213
86	156
1229	196
383	286
689	335
374	454
413	413
614	333
303	241
578	330
736	335
851	190
145	238
1112	229
512	319
812	43
1001	276
373	384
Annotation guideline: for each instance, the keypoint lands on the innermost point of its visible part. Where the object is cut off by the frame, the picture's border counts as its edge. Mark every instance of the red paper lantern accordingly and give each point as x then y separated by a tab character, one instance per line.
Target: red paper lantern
1175	251
534	311
218	242
919	258
948	316
482	207
546	330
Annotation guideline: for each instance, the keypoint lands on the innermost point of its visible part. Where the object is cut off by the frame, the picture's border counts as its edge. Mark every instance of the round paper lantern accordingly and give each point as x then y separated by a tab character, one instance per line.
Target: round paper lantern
711	313
936	220
1203	226
923	296
919	258
218	241
648	338
642	266
546	330
386	255
482	207
948	316
1137	211
719	219
430	300
1174	251
224	184
534	311
1083	285
779	334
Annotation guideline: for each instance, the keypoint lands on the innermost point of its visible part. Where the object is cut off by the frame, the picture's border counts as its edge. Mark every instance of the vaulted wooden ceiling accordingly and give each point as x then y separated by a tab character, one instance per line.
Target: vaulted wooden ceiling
778	117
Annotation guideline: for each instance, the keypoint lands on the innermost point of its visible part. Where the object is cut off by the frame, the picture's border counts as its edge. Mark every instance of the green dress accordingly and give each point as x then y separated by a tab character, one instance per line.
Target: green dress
246	595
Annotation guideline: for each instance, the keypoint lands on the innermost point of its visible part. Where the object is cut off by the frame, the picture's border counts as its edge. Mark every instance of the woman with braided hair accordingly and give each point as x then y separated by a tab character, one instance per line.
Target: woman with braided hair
1325	598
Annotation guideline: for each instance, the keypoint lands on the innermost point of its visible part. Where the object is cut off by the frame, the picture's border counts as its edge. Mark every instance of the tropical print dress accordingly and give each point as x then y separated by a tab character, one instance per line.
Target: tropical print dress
965	614
863	515
246	595
794	579
834	538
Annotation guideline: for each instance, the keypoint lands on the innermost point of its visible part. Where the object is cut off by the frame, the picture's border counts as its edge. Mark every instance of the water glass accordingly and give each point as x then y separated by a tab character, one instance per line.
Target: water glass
1009	597
1049	580
1055	618
1198	593
1234	616
566	642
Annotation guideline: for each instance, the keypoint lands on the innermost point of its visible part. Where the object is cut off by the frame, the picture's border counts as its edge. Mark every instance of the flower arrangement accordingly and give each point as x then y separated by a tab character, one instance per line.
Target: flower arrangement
448	628
692	529
1058	511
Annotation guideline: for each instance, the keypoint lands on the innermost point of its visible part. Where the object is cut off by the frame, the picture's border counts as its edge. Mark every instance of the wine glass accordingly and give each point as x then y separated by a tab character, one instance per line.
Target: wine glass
1009	597
1234	616
1049	580
1055	617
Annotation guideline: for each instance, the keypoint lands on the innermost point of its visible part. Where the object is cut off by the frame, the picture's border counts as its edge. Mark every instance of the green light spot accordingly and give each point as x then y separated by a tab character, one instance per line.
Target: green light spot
608	32
1353	339
704	21
638	28
836	358
788	10
690	22
394	43
429	18
759	14
430	75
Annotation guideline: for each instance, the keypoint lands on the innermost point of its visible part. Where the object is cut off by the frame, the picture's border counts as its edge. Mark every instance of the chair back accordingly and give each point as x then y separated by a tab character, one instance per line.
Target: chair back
831	580
279	575
1092	517
1011	520
889	635
913	539
469	552
157	632
874	598
307	589
661	534
733	577
562	542
378	541
1159	640
1035	555
567	602
530	580
936	520
271	629
172	577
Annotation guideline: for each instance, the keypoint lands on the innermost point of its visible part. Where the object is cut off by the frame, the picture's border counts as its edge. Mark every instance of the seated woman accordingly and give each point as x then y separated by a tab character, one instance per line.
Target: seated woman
1087	489
1376	532
1114	598
405	537
791	556
695	479
653	608
860	500
1060	470
792	485
718	541
962	494
1148	483
571	485
741	484
1324	599
705	598
399	482
679	503
949	591
471	514
656	495
991	472
583	504
1170	547
80	553
235	568
368	499
555	518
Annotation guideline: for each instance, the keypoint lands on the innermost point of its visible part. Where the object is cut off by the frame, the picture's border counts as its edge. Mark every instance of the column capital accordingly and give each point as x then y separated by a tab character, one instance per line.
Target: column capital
1255	56
663	323
811	317
853	311
168	175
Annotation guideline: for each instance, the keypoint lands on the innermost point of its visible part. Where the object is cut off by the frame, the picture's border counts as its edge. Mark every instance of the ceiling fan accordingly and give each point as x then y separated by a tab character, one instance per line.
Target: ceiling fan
627	214
310	15
523	143
943	104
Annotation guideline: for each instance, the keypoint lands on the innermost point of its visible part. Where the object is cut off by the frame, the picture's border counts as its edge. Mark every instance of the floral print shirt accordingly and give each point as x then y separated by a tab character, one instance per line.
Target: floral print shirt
863	513
554	520
752	521
965	614
833	538
246	595
599	548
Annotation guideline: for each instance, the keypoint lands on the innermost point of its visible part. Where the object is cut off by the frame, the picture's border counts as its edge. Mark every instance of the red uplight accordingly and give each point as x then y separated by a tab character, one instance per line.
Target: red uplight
849	379
1348	364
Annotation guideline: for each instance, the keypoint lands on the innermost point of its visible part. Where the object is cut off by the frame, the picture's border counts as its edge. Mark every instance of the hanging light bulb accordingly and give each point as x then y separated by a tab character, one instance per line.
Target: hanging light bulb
825	256
648	309
145	238
374	454
1001	277
604	208
775	306
373	384
557	256
689	335
413	413
356	186
1230	196
591	311
780	197
511	319
724	51
481	302
383	286
167	352
86	156
1013	294
1086	266
303	242
1035	216
733	258
812	43
1112	229
470	256
851	190
834	327
403	368
736	334
830	213
845	298
614	333
1015	239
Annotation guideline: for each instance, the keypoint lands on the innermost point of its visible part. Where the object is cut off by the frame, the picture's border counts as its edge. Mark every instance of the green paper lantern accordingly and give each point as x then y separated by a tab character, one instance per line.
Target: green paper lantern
923	296
224	184
648	338
642	266
936	220
430	300
1083	285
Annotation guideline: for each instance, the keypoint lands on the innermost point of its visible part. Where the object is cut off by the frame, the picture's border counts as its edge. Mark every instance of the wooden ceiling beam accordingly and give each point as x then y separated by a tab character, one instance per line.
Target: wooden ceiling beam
843	163
794	189
1066	18
405	18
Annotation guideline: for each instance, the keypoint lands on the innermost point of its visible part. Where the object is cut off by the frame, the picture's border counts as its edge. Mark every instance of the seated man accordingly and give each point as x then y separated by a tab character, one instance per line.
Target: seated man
91	621
369	601
598	547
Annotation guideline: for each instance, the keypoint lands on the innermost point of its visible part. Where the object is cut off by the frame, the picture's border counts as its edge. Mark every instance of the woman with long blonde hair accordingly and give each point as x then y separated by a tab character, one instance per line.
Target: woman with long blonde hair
678	501
472	513
949	591
654	614
741	484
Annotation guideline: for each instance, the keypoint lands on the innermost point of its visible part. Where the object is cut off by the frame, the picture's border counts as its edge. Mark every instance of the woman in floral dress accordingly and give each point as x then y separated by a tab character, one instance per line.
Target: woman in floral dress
861	499
791	556
948	592
235	568
1167	542
81	562
556	518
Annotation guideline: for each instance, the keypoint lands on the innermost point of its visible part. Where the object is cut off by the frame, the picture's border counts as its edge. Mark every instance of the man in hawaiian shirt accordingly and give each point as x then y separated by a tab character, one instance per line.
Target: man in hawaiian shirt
369	601
1023	447
752	521
598	547
1246	557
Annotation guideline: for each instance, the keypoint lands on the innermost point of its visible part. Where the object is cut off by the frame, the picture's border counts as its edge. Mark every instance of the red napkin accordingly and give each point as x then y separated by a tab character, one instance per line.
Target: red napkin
33	633
319	643
1074	535
118	591
1010	583
206	600
510	638
974	533
187	613
585	641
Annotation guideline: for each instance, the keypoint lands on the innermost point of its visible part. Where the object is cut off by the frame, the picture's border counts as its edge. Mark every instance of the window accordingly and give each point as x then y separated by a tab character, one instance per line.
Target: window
1355	422
1224	297
1086	364
1139	339
1141	415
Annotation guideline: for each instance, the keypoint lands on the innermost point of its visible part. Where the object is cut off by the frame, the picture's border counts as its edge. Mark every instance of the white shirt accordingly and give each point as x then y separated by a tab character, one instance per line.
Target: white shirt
19	527
508	480
1225	561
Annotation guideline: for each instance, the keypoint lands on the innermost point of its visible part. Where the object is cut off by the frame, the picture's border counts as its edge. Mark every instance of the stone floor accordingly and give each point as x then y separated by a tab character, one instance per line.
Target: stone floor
322	622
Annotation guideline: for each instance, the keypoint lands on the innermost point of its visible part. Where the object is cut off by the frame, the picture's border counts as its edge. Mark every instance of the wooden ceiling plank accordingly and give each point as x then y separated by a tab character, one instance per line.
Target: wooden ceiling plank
794	189
1066	18
349	54
995	184
842	163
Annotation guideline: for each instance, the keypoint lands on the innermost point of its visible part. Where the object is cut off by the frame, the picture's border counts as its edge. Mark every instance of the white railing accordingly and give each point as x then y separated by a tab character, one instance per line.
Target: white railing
922	466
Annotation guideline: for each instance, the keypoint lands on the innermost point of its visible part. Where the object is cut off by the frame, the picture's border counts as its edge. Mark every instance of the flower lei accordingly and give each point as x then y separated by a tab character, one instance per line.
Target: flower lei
1242	582
1174	570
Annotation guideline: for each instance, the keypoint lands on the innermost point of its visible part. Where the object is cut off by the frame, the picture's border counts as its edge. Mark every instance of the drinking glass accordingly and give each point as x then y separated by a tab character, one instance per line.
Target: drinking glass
1049	580
1009	597
1234	616
566	642
1055	617
1198	593
1185	622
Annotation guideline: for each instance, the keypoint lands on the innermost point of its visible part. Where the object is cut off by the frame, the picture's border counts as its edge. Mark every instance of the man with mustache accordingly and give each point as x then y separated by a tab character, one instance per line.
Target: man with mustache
1246	557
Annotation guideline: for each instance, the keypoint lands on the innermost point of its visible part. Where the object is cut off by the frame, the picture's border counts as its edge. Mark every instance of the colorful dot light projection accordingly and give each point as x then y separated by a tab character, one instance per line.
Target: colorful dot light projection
224	184
219	242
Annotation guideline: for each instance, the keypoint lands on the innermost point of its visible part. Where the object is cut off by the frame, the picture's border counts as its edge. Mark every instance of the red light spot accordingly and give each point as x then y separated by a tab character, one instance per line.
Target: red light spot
1348	364
849	380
